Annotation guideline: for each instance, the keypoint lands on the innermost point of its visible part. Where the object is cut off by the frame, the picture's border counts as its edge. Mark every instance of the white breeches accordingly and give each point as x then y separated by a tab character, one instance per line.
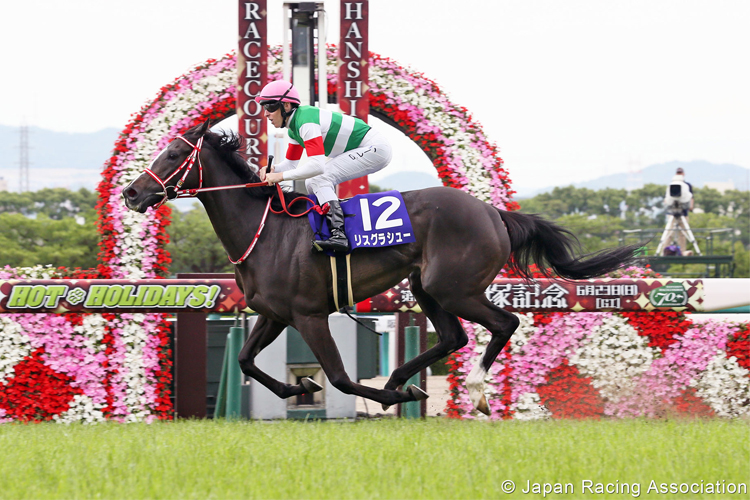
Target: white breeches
372	155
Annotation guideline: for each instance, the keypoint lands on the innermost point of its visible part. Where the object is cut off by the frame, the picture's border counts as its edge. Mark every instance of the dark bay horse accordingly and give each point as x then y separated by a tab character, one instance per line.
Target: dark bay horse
461	246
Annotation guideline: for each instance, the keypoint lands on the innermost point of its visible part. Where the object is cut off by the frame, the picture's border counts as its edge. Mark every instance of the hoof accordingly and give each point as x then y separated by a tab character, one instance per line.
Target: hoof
385	406
483	406
310	385
418	393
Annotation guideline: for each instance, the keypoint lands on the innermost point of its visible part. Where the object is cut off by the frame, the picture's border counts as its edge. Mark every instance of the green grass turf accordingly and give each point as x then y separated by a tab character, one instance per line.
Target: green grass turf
436	458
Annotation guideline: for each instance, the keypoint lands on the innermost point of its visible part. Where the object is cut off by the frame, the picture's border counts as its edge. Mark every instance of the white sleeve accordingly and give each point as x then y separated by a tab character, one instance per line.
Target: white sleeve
285	165
314	166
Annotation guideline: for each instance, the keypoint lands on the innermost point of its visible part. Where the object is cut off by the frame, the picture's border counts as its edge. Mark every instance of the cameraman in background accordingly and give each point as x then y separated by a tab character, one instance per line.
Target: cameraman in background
679	202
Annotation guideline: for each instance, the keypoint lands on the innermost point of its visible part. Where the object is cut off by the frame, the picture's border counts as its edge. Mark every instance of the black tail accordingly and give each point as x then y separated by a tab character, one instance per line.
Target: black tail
536	240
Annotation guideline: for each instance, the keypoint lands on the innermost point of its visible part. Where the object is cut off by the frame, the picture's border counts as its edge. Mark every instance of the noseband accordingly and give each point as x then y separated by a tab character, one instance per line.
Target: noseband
187	165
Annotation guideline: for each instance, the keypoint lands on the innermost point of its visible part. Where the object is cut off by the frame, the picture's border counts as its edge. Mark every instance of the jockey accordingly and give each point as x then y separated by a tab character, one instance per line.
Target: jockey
353	149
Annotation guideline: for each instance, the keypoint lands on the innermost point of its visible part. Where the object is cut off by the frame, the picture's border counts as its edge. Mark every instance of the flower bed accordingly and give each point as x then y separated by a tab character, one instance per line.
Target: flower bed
594	365
82	367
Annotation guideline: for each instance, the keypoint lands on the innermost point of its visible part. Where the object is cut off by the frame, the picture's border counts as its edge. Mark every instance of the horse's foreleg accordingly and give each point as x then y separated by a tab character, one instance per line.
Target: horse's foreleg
316	334
265	332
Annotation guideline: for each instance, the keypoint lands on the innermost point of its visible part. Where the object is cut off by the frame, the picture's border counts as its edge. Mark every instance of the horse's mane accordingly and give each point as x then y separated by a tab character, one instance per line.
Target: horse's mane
229	145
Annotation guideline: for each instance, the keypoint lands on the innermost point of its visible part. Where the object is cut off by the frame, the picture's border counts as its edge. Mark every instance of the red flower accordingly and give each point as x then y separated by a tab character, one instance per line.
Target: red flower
569	395
36	392
659	327
739	347
689	404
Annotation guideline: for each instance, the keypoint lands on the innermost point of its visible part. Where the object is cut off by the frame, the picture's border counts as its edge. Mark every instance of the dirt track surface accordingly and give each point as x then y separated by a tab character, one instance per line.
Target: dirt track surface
437	388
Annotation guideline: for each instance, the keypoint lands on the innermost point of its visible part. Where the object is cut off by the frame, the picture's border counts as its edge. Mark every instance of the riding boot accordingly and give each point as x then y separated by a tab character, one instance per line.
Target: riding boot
337	242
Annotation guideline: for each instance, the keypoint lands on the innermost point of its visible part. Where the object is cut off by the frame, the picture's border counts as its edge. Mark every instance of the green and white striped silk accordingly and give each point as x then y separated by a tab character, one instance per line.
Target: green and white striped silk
340	132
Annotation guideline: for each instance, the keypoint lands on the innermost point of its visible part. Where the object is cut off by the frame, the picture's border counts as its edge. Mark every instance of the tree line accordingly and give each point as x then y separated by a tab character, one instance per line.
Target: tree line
58	226
608	217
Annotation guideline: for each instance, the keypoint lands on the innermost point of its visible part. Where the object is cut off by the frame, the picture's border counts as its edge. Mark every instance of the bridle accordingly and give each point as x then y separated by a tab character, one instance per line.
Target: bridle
187	165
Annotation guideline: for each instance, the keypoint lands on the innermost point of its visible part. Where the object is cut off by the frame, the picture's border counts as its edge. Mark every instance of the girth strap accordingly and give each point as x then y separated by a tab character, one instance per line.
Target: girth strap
341	268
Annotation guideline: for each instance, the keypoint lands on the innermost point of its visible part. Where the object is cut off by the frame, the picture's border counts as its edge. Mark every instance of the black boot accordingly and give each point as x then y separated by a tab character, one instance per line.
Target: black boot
337	242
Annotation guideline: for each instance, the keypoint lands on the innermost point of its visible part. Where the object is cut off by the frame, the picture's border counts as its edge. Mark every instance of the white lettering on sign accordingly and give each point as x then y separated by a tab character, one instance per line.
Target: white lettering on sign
607	290
522	296
252	32
353	32
353	58
353	70
357	87
251	10
608	303
350	7
351	48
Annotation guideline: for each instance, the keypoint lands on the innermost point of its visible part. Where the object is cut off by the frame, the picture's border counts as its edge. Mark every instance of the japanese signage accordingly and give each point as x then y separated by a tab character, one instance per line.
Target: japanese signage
223	295
252	73
578	296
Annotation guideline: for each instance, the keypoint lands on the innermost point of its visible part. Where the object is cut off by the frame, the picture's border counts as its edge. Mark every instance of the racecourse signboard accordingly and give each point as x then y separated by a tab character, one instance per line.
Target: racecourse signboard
223	296
252	75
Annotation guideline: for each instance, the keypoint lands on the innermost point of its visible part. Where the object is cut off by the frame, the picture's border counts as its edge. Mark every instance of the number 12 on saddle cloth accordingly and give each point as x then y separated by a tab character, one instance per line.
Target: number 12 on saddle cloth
370	220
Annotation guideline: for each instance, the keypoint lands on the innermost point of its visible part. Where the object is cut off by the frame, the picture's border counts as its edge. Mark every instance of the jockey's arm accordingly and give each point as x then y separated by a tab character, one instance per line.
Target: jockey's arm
289	169
315	162
293	154
312	135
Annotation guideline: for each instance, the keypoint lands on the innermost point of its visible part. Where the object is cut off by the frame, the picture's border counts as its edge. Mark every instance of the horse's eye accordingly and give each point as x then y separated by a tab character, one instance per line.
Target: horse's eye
172	156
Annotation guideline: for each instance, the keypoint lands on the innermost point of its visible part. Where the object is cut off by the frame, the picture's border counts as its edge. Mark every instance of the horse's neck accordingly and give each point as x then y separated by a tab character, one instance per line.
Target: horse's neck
234	214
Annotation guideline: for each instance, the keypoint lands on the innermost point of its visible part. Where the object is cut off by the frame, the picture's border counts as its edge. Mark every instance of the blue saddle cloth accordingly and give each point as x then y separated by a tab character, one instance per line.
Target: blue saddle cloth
370	221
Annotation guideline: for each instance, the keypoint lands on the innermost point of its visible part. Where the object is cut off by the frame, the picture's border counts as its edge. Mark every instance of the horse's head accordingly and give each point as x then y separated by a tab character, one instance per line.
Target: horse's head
171	170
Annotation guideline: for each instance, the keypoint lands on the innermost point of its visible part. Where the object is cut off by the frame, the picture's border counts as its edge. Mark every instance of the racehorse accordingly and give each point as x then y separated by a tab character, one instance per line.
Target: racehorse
461	246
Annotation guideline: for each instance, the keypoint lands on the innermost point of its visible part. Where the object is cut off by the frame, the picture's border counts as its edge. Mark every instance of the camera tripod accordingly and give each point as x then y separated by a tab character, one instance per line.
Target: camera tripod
676	222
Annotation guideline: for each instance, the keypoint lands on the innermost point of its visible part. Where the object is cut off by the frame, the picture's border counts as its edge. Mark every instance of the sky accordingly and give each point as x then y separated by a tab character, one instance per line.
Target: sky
569	91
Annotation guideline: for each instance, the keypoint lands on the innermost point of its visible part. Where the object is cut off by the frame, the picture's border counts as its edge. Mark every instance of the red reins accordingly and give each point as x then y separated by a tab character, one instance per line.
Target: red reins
189	193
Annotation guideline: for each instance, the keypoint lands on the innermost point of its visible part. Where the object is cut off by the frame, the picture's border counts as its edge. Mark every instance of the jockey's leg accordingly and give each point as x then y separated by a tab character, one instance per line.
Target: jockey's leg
373	155
338	241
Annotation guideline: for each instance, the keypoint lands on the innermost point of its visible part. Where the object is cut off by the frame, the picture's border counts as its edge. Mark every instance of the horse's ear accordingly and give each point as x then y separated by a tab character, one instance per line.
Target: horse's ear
204	128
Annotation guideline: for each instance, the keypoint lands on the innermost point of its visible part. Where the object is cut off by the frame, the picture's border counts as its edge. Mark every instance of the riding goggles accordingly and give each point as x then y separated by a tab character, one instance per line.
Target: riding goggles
271	106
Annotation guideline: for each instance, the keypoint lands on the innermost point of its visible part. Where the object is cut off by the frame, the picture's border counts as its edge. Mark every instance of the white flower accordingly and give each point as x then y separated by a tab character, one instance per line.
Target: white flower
725	386
529	407
613	354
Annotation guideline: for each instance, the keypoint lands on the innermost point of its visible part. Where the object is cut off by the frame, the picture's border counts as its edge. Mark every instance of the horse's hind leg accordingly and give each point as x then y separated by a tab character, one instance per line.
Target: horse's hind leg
265	332
500	323
316	334
451	335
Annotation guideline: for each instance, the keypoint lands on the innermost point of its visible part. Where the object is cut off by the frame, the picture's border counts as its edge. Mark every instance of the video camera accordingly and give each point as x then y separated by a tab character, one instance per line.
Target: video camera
677	200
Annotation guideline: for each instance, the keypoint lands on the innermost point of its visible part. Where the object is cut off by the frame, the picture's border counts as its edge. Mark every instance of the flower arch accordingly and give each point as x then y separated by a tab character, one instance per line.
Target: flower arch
132	244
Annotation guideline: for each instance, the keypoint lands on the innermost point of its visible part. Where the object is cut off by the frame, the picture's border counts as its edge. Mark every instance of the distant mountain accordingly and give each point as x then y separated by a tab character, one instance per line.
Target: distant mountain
697	173
57	159
75	160
408	181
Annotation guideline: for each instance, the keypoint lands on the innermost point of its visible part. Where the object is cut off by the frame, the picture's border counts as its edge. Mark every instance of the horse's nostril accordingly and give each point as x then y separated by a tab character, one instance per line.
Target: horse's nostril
131	193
